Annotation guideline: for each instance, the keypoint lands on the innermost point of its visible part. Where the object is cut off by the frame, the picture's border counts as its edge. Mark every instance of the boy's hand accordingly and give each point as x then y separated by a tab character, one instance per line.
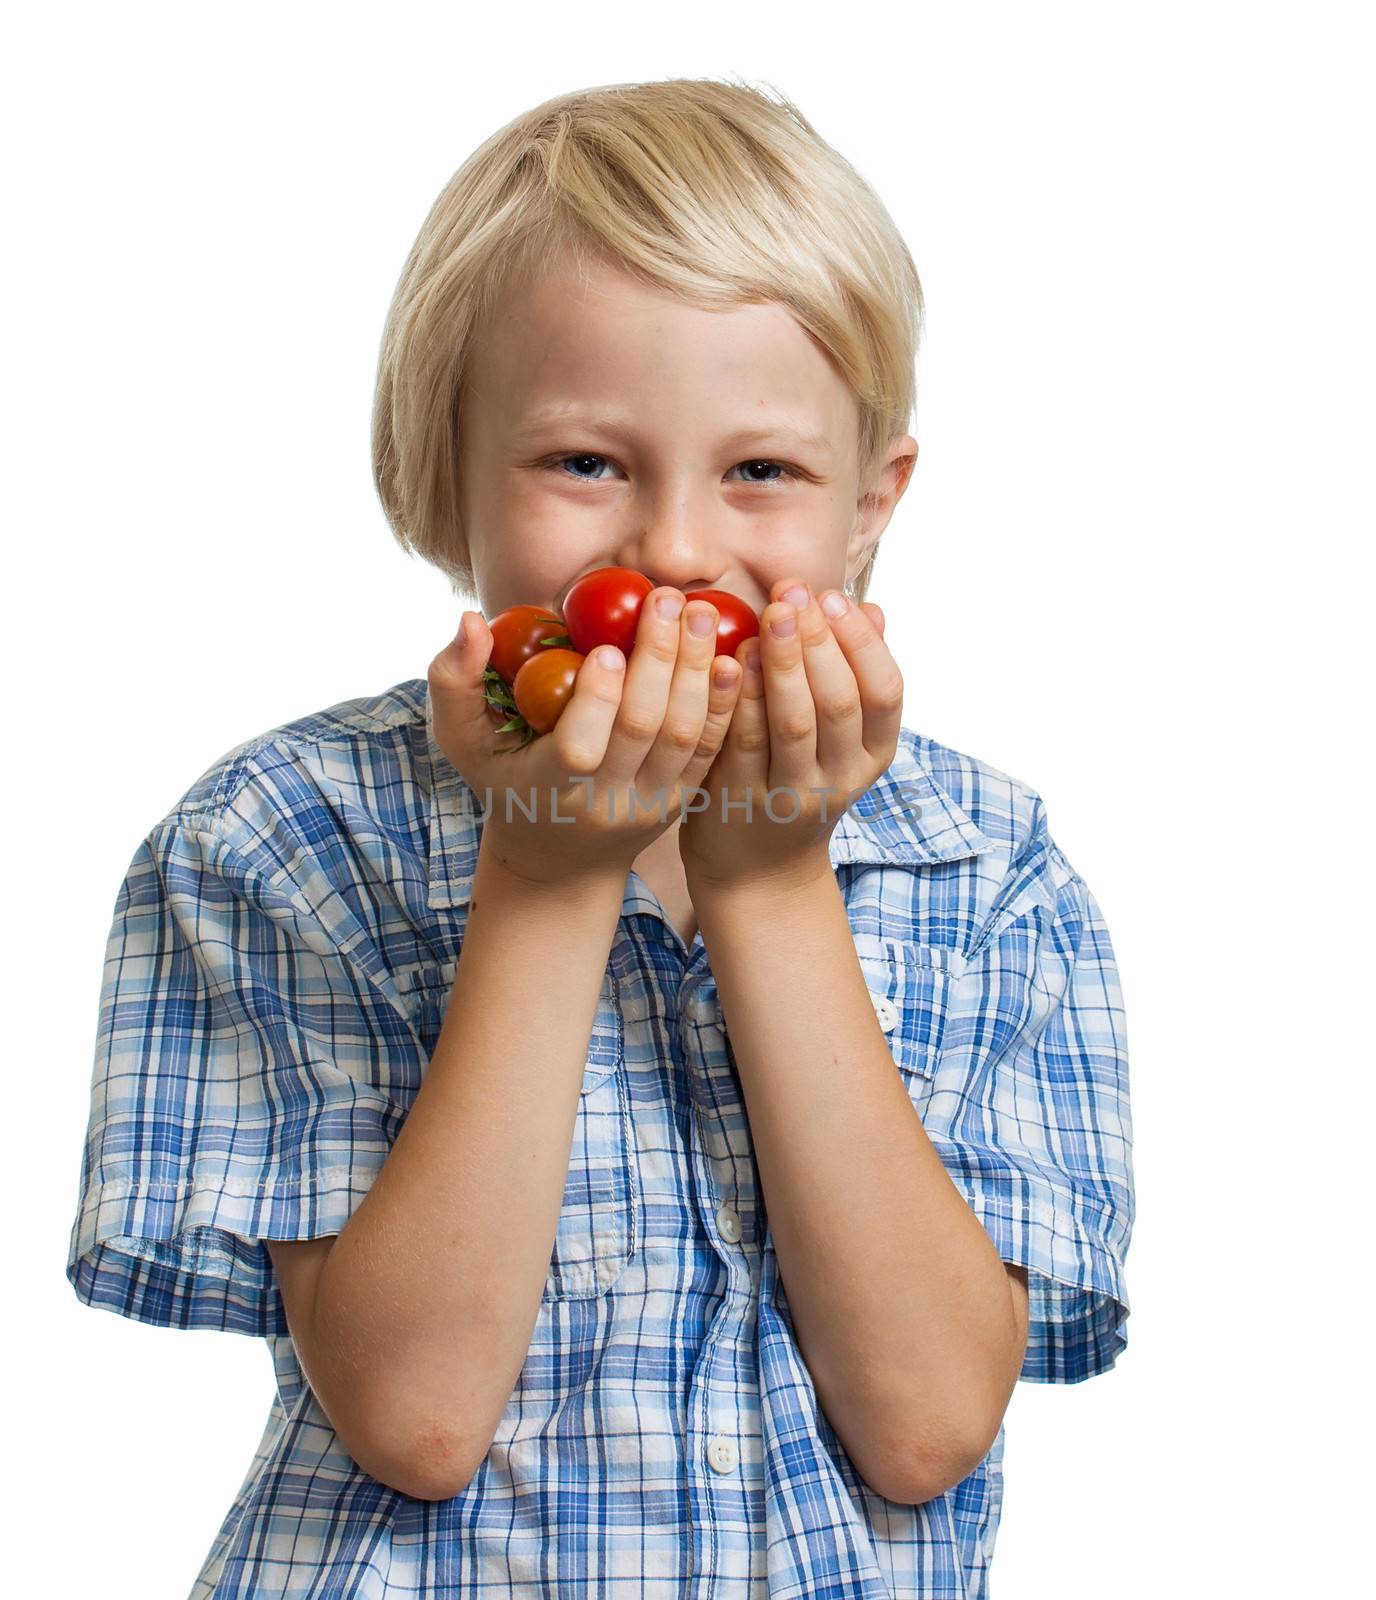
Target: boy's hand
649	728
821	711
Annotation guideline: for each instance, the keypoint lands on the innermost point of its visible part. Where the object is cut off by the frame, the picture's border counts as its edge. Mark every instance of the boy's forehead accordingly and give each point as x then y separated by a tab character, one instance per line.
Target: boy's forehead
756	429
564	350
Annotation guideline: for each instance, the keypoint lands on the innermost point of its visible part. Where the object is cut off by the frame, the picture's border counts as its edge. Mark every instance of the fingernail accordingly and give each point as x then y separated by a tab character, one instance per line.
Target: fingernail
783	627
702	622
723	677
463	630
669	606
835	604
610	657
796	596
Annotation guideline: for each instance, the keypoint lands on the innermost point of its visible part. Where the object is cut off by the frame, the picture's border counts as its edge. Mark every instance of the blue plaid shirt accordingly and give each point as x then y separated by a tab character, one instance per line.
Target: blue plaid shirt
282	949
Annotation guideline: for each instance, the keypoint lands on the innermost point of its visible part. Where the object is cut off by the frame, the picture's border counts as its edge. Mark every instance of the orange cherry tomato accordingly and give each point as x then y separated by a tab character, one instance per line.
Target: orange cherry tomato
544	684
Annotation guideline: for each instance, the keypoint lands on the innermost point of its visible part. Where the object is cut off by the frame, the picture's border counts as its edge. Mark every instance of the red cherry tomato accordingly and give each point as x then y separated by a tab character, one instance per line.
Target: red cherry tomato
737	620
603	607
516	636
544	684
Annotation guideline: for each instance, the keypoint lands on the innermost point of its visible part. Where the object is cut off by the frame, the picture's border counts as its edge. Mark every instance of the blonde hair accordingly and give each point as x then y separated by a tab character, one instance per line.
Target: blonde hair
712	191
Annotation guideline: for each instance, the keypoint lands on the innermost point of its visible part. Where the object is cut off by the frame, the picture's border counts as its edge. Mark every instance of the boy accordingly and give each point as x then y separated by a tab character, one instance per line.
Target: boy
632	1198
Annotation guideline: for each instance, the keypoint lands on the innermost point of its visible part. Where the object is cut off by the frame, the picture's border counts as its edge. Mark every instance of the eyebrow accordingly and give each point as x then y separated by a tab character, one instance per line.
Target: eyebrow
542	422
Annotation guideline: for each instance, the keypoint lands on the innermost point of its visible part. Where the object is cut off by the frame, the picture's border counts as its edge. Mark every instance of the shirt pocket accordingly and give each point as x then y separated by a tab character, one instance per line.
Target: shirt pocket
598	1220
910	987
600	1214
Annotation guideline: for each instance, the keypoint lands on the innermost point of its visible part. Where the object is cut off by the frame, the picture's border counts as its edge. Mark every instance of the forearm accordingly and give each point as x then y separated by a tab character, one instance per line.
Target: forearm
431	1291
899	1300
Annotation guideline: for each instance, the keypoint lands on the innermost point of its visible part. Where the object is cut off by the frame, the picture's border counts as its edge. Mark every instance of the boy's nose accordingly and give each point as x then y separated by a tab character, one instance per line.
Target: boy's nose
679	549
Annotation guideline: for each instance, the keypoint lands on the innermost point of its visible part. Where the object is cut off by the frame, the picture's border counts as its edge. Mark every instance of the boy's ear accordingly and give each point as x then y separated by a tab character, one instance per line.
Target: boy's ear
877	501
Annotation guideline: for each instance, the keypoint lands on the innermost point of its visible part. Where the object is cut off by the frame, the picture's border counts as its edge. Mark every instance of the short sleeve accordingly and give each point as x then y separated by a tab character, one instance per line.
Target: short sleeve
1036	1129
247	1085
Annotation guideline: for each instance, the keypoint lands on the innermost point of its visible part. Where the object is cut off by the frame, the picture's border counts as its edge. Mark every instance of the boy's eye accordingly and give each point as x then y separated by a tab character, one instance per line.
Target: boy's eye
584	457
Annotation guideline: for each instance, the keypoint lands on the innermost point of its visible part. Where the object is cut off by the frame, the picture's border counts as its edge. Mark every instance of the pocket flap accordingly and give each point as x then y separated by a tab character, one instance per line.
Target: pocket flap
910	985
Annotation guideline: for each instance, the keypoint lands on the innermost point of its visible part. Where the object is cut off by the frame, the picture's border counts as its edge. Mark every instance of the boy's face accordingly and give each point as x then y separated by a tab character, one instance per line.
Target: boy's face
606	425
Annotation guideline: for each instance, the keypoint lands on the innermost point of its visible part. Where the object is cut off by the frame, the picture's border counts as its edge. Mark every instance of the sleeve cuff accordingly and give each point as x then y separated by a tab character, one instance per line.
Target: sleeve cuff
190	1255
1077	1297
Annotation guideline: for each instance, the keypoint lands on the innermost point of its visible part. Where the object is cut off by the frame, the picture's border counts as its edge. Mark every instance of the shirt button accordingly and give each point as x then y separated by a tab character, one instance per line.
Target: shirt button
885	1010
721	1455
729	1224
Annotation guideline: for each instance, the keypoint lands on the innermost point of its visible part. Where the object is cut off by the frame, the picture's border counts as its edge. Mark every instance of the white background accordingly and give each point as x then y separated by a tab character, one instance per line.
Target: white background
1131	570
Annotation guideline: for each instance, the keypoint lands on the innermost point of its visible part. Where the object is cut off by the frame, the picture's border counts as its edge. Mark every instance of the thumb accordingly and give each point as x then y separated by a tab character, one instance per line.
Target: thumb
457	690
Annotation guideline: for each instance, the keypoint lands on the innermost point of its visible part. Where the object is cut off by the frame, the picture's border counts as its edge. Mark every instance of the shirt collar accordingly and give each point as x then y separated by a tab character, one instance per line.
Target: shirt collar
905	818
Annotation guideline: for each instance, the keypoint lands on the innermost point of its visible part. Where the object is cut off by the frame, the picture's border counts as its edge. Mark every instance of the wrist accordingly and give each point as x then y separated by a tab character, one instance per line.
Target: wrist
780	881
506	871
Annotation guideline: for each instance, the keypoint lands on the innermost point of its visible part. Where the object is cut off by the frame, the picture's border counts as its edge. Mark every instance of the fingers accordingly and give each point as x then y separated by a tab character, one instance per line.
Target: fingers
689	731
646	690
743	765
828	684
578	741
463	727
723	697
648	679
789	711
856	687
818	670
858	633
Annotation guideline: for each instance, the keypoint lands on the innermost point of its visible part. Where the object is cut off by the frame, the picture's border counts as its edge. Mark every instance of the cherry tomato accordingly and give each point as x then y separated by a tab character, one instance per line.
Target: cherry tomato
544	684
603	607
736	620
516	636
